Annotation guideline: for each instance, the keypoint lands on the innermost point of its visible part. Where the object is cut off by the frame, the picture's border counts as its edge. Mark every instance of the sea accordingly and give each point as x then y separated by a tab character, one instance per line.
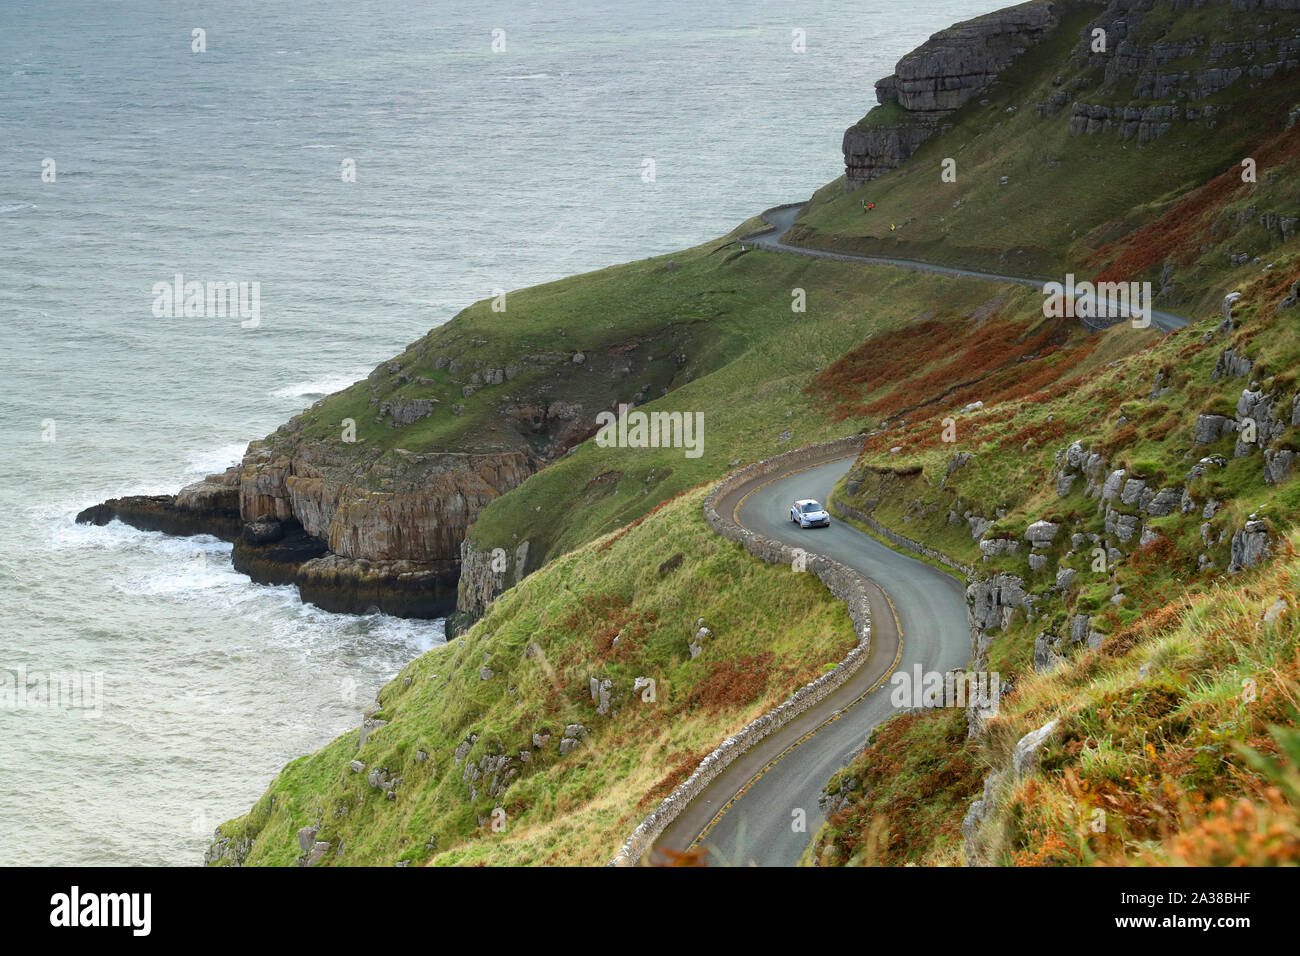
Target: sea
368	169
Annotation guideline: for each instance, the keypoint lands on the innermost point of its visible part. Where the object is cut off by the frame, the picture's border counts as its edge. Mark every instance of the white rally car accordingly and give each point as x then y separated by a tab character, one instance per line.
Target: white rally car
807	513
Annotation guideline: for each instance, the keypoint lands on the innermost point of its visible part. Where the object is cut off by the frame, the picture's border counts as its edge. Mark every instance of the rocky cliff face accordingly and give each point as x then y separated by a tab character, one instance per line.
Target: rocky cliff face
483	576
936	79
950	68
1138	80
353	530
364	499
871	151
1166	77
419	512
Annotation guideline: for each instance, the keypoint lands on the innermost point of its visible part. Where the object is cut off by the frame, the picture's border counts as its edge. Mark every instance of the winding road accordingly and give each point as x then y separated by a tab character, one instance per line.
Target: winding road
763	809
782	218
750	815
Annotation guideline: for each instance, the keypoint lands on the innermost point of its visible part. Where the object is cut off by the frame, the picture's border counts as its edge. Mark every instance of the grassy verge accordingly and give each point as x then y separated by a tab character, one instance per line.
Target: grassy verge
1175	745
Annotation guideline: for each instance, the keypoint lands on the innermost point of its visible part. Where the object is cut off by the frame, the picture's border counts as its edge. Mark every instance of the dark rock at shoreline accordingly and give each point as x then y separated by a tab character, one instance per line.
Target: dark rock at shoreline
458	622
289	555
162	513
283	552
210	506
277	560
400	588
263	531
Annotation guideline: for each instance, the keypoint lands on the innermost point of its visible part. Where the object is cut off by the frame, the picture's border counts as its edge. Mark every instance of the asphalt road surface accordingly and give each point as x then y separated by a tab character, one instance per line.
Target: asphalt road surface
763	809
782	218
782	776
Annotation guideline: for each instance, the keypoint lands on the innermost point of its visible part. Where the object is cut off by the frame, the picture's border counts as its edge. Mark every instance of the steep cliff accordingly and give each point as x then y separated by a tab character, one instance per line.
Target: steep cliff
364	500
1098	151
937	79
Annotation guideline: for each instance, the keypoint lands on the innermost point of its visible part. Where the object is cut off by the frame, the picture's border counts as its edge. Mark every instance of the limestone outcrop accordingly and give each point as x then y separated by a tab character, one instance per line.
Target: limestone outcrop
210	506
935	80
354	531
1164	69
951	67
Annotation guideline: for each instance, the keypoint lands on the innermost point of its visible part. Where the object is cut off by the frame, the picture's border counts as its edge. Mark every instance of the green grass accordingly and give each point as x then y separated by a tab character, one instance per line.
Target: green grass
711	330
1066	195
544	640
775	356
1157	738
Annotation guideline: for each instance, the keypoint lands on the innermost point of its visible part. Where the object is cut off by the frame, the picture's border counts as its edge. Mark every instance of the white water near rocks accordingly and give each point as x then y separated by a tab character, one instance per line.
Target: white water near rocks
474	171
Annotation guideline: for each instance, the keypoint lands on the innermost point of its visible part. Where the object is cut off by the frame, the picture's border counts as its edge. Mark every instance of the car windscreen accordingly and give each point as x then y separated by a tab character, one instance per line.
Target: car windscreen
810	506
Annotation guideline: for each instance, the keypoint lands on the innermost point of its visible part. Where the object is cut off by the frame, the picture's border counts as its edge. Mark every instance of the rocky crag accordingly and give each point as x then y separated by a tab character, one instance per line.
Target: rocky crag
300	518
1134	72
357	525
935	80
1150	76
364	500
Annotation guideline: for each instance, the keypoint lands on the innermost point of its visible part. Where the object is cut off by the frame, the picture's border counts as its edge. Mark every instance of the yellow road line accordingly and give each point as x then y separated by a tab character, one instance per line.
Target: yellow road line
839	713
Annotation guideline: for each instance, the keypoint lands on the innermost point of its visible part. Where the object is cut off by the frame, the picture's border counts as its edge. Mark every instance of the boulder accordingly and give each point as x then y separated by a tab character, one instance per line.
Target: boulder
368	727
1041	534
1024	759
1111	489
997	547
1277	465
404	413
1045	656
978	526
980	811
1249	546
1165	502
1121	525
1231	364
696	645
1229	301
263	531
1079	626
994	600
1210	428
1132	491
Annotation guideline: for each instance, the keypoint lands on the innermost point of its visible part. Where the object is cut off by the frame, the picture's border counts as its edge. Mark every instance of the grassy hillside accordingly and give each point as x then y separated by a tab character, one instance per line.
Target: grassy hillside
1137	408
973	400
754	405
1176	745
1150	708
1080	201
1173	210
461	716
